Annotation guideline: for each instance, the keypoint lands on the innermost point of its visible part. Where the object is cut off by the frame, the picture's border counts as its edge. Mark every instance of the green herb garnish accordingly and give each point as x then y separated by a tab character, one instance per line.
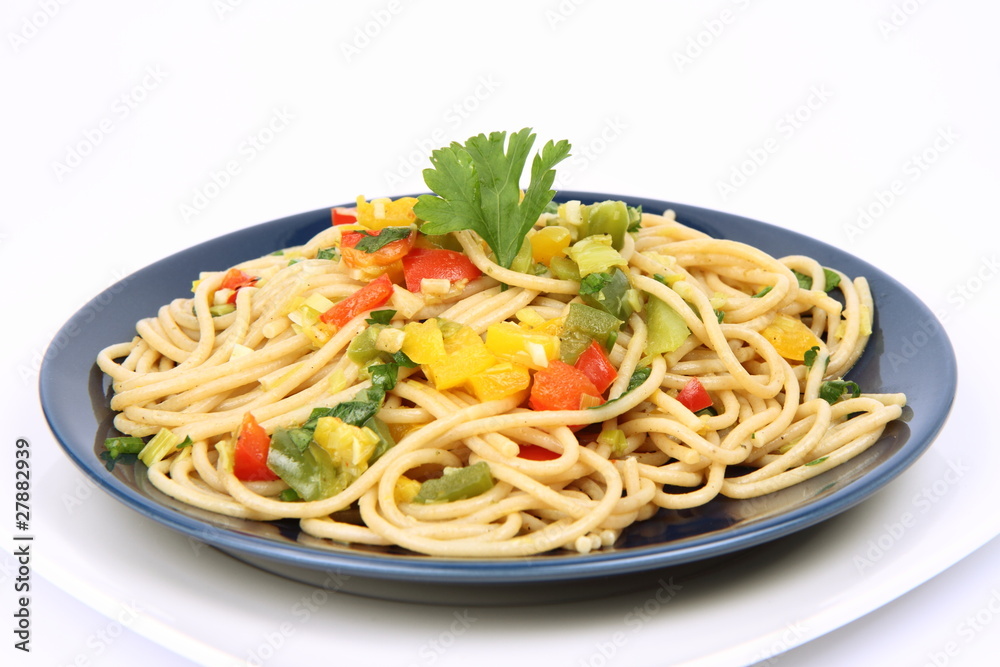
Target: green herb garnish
374	242
477	188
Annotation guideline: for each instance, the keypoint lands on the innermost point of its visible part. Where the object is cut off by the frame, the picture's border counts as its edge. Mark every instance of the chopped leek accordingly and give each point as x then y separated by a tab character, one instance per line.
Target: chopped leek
595	254
667	329
161	444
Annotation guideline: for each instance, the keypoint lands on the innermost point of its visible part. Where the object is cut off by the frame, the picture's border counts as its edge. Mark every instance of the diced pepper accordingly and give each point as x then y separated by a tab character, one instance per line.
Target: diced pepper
513	343
561	387
500	381
694	396
371	296
790	337
536	453
362	350
607	217
456	484
382	212
423	342
387	255
595	364
583	325
549	242
667	329
341	216
613	293
250	454
234	280
466	355
421	263
304	465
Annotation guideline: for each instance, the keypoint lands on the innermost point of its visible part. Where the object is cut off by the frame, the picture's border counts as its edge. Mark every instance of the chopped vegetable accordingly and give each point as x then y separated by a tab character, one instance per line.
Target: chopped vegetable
500	381
236	280
466	355
420	264
250	453
831	279
341	216
832	391
694	396
583	325
365	249
423	342
456	484
561	387
371	296
595	364
523	346
595	254
611	292
790	337
383	212
607	217
536	453
477	187
549	242
159	446
667	329
304	465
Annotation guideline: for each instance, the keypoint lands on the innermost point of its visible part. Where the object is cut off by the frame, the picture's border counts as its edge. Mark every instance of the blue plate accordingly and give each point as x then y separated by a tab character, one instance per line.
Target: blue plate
908	346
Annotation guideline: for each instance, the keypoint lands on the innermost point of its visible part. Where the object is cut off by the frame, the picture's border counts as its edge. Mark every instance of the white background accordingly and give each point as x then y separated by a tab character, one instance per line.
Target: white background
134	130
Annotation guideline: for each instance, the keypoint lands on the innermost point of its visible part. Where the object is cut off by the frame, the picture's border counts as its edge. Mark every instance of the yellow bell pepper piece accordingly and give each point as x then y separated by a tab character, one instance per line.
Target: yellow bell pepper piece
549	242
466	356
383	212
500	381
527	347
790	337
423	342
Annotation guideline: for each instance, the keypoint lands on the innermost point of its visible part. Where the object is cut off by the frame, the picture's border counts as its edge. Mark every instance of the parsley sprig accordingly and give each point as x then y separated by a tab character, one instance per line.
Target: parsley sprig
478	188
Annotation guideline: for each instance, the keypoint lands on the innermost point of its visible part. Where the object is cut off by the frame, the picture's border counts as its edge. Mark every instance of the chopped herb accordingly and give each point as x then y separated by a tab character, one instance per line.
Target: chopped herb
186	442
810	356
634	218
372	243
380	316
763	291
289	496
331	253
594	283
403	361
832	390
832	279
384	376
477	187
816	462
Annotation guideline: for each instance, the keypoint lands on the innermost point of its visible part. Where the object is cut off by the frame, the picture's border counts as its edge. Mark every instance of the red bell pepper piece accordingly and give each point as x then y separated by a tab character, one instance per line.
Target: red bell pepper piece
371	296
423	263
341	217
250	453
234	280
694	396
384	256
594	363
561	387
536	453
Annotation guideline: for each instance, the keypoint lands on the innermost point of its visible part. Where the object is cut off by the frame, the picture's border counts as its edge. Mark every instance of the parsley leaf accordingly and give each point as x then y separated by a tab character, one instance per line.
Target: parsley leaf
477	187
832	390
374	242
381	316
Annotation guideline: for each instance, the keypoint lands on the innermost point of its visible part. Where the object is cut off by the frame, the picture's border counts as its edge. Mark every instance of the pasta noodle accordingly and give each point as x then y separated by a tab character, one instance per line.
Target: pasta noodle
200	365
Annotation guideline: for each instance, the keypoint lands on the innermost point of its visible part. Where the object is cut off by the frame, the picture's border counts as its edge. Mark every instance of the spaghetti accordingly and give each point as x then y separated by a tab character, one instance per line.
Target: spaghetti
755	338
